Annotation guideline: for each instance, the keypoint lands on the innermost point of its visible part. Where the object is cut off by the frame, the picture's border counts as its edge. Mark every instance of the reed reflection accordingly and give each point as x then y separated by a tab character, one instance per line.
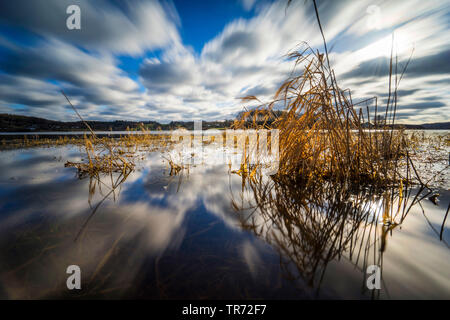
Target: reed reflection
312	224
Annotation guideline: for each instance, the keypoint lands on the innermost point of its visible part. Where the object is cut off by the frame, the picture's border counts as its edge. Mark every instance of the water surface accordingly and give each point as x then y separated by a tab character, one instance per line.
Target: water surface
180	237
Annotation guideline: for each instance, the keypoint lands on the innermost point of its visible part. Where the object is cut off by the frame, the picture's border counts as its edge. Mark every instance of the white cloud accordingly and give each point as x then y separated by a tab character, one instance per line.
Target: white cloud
248	4
128	27
245	58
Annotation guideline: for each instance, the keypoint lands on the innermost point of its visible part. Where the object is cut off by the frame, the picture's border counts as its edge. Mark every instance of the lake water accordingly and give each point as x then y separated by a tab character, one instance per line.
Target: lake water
77	133
181	237
117	133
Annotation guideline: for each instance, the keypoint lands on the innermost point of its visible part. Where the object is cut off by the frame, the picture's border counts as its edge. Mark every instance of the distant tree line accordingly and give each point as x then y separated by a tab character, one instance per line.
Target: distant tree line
18	123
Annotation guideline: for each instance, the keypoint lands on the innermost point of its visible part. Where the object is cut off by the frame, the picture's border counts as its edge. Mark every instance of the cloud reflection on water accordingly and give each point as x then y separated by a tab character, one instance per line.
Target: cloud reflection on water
164	238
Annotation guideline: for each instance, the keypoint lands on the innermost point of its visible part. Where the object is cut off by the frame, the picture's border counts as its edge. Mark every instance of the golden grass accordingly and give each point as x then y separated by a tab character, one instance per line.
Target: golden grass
39	141
323	134
108	154
345	174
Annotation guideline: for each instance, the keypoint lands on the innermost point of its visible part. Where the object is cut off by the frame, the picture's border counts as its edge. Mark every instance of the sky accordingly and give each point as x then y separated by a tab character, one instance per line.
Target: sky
192	60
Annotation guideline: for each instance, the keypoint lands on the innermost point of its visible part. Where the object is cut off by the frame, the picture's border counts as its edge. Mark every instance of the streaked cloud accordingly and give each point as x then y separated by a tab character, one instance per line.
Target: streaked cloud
174	82
129	27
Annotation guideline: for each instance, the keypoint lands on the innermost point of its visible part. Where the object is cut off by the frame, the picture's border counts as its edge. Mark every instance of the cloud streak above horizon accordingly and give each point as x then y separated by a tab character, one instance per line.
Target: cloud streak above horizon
129	60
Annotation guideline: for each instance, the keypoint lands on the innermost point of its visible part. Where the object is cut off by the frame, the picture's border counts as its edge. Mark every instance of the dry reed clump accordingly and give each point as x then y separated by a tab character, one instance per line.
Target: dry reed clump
419	139
133	141
108	154
175	168
323	134
103	156
39	141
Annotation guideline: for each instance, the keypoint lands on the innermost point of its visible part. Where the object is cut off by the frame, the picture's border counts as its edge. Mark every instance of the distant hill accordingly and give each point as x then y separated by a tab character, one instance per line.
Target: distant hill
438	125
425	126
17	123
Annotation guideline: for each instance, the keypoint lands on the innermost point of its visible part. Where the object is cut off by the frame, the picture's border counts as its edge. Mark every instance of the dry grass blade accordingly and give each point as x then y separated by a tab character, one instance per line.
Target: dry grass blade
323	135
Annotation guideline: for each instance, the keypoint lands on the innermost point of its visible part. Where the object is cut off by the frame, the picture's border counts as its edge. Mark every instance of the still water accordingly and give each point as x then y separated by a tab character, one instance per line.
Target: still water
182	237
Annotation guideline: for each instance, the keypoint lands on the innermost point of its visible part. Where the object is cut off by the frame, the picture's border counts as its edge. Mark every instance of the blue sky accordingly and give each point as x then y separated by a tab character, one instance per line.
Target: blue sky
202	20
185	60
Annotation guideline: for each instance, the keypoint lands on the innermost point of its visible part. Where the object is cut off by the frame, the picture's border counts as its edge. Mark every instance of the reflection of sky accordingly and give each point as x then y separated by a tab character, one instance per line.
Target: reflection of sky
416	264
166	238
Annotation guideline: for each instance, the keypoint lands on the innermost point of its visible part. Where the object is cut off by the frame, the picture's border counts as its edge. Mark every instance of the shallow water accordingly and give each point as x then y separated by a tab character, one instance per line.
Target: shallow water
210	131
180	237
81	133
